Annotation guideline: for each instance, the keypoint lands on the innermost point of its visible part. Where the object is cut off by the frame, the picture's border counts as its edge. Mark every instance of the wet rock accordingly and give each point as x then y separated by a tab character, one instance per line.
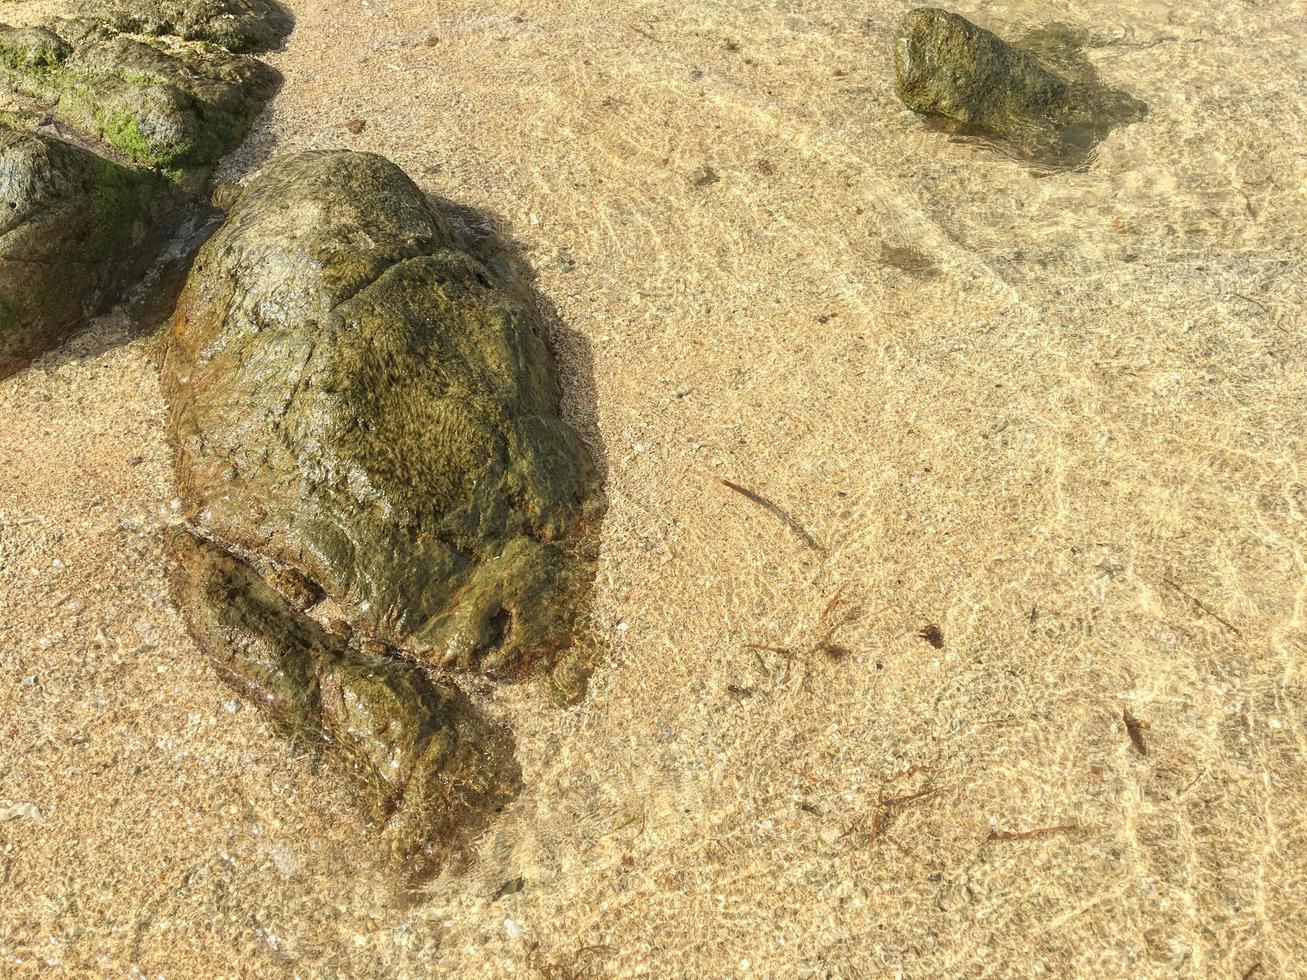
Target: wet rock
225	195
425	766
237	25
357	397
75	231
160	101
1042	99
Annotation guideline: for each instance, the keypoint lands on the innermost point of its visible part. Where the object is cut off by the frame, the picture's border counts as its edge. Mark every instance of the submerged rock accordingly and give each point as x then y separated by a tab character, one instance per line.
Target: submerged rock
359	400
237	25
949	68
424	763
161	101
75	231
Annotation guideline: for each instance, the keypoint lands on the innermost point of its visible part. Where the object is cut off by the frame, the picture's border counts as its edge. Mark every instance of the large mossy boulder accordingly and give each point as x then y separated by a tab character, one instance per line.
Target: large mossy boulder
75	231
1040	97
237	25
358	400
161	101
425	766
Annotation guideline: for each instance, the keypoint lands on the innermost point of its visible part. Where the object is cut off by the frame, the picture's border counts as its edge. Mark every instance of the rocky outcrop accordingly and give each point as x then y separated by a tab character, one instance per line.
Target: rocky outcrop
161	101
237	25
357	398
85	218
949	68
75	230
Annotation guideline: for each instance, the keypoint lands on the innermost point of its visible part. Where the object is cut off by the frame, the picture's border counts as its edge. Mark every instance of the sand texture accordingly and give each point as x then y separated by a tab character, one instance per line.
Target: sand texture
1058	417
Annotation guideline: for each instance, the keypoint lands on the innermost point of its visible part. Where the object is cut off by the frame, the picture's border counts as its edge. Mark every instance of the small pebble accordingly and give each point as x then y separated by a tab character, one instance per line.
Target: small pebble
21	811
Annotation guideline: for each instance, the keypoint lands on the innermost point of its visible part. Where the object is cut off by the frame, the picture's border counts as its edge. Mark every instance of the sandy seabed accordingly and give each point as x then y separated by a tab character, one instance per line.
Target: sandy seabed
1058	417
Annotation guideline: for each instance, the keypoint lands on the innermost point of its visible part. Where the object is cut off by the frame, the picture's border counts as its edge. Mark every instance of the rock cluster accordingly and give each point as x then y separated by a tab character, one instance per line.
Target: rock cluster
363	404
131	111
159	100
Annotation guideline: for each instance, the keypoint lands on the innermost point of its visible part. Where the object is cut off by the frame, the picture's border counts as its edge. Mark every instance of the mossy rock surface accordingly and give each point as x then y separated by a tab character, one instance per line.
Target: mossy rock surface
237	25
75	231
161	101
356	398
425	765
1042	98
32	48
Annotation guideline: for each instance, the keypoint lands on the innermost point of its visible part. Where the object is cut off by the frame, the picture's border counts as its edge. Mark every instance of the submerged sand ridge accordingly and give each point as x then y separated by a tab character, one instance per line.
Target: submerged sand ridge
1061	435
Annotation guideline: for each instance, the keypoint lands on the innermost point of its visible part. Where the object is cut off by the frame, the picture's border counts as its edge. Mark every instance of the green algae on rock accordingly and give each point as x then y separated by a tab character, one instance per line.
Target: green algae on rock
161	101
357	397
31	48
425	765
75	231
237	25
1043	100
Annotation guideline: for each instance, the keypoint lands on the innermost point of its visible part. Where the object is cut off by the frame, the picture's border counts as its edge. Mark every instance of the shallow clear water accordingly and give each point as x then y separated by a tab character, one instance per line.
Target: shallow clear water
1055	415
